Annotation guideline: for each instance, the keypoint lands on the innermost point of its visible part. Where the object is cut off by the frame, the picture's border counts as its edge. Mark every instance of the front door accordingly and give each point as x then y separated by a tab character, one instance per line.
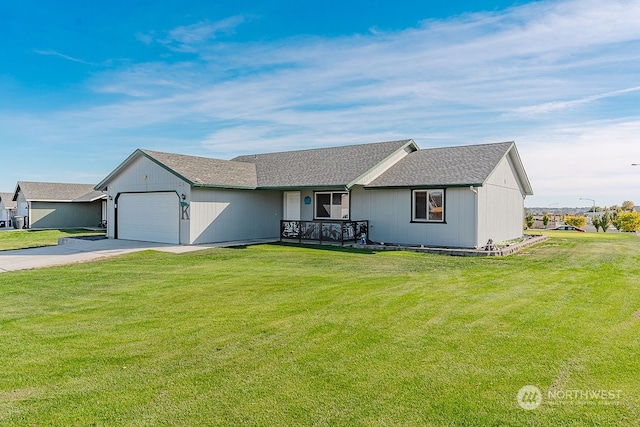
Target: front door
291	206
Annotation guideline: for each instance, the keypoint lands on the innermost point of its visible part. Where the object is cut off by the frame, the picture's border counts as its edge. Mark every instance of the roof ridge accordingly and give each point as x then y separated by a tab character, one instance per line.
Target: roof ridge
151	152
468	145
54	183
324	148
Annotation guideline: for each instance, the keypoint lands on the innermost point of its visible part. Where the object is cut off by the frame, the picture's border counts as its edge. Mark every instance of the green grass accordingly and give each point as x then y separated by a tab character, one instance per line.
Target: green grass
282	335
23	239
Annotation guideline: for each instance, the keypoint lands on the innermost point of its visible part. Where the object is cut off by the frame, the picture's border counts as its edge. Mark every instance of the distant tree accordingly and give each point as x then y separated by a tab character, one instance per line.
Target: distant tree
627	221
545	220
529	220
595	221
576	221
627	205
614	218
605	221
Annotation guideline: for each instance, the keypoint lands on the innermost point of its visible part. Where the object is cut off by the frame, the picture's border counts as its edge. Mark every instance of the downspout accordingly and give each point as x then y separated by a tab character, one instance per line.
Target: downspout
475	216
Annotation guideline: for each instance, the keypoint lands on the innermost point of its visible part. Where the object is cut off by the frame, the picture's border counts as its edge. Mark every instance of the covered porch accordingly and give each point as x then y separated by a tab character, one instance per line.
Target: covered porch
329	231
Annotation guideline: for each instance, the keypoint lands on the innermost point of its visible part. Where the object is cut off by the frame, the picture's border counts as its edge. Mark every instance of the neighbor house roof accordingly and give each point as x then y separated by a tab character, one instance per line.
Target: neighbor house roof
321	167
451	166
7	200
57	192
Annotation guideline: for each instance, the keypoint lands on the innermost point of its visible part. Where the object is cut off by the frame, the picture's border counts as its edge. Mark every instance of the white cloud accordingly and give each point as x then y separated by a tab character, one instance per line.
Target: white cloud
549	107
51	52
584	160
559	77
189	38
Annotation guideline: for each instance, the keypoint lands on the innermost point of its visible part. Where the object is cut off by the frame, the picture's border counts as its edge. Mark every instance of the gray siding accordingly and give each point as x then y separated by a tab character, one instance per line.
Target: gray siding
389	215
143	175
22	205
501	205
6	213
215	215
220	215
65	215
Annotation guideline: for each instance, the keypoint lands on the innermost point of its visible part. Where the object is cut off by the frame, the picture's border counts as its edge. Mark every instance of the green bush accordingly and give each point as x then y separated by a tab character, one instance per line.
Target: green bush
605	221
627	221
576	221
529	220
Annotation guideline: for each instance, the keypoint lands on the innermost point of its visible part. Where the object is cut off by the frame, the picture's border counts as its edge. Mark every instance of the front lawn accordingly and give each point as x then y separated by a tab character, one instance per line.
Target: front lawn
23	239
282	335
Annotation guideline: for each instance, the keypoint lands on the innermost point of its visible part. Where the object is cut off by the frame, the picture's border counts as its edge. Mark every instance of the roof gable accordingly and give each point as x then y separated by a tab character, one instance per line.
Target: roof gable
321	167
196	171
206	171
7	200
451	166
56	192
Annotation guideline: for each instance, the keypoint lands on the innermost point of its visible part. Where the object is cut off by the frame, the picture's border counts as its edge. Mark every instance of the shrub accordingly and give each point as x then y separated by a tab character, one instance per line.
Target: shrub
576	221
529	220
605	221
627	221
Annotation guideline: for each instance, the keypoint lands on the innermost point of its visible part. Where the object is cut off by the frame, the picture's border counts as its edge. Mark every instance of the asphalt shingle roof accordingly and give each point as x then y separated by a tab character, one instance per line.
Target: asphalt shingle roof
59	192
207	171
450	166
321	167
7	199
339	166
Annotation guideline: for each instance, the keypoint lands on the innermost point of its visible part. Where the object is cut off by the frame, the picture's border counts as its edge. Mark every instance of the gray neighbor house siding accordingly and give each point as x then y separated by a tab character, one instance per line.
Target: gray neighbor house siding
65	215
484	187
58	205
7	208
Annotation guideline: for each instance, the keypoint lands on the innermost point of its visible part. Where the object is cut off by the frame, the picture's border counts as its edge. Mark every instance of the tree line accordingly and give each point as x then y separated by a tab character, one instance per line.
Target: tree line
623	218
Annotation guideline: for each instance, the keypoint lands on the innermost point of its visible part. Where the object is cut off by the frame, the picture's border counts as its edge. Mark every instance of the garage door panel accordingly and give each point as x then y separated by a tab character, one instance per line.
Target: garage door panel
149	217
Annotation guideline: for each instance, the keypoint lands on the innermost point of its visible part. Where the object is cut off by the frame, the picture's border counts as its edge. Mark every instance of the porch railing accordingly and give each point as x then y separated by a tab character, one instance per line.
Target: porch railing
325	231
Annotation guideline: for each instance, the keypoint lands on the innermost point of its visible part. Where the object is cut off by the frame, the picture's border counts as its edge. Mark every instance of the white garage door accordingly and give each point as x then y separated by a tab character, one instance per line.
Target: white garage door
149	217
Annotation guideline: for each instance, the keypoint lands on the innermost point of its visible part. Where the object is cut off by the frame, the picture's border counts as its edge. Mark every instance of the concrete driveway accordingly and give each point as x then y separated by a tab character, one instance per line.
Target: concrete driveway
72	250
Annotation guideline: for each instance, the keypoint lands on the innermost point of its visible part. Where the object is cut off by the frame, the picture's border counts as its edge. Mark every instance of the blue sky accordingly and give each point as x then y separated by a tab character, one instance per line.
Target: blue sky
83	84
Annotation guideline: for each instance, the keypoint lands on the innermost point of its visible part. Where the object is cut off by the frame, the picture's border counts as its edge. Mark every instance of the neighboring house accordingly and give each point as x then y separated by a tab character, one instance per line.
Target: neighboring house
7	209
451	197
57	205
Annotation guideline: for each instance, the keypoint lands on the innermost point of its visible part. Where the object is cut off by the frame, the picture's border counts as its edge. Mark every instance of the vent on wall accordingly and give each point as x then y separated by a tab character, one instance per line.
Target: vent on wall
410	148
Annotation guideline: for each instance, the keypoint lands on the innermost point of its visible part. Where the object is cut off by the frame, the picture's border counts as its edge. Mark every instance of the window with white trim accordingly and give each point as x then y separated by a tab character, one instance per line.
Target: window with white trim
428	205
332	205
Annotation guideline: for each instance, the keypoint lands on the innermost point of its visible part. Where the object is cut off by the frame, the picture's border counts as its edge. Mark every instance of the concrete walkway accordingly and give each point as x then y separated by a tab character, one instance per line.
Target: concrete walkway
71	250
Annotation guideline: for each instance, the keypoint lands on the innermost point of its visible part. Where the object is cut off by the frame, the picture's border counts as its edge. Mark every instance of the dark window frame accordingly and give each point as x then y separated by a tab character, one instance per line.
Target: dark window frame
331	194
426	192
